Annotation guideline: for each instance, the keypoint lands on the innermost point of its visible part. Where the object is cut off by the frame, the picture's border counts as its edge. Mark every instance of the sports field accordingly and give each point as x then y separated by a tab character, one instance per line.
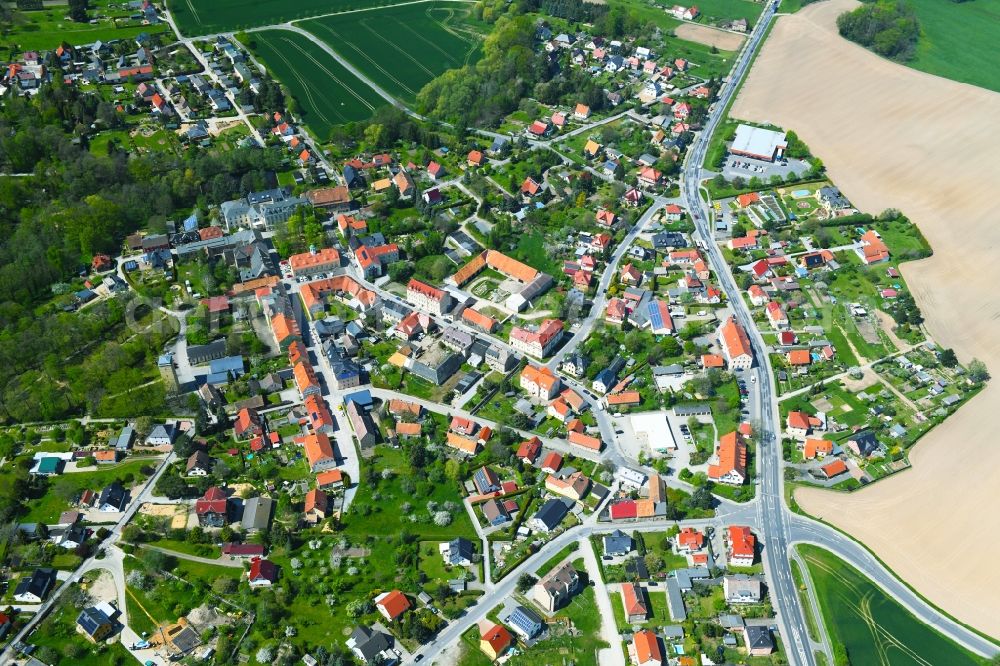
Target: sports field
326	93
958	40
202	17
403	48
874	628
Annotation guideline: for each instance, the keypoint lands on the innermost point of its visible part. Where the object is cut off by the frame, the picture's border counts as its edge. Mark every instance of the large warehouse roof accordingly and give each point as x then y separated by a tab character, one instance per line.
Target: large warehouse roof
757	142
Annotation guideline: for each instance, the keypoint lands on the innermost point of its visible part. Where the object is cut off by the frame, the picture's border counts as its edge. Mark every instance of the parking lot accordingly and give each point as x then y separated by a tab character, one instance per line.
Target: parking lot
746	168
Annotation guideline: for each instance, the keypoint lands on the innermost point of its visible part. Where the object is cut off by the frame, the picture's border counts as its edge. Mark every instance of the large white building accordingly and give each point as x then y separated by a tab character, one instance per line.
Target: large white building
537	343
757	143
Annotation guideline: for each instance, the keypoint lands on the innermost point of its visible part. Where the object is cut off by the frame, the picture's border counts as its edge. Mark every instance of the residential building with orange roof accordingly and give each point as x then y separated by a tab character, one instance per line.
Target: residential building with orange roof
319	414
747	200
495	640
399	407
730	461
351	226
757	295
372	260
816	448
530	187
479	320
591	148
330	480
657	488
344	287
735	344
559	410
776	315
404	429
799	357
286	331
690	540
742	546
646	648
552	462
623	399
575	486
539	382
873	249
584	441
305	378
464	444
392	604
317	506
797	424
635	603
463	426
529	450
314	262
537	343
615	312
575	425
712	361
743	243
319	452
650	176
424	296
297	352
475	158
573	399
606	218
832	469
581	112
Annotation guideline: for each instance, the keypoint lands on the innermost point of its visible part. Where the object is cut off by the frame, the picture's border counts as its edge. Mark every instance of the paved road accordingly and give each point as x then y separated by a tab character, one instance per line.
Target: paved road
773	517
92	562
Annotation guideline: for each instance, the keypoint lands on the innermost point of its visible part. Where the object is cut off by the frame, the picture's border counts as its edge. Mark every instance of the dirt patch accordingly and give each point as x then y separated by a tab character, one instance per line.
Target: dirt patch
942	175
178	513
702	34
887	323
103	588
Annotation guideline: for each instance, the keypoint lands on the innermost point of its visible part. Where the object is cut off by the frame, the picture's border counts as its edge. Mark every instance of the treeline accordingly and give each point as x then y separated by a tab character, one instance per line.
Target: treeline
887	27
573	10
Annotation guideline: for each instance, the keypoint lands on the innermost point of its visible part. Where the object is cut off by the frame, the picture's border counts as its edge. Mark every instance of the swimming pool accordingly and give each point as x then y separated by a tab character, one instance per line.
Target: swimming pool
800	194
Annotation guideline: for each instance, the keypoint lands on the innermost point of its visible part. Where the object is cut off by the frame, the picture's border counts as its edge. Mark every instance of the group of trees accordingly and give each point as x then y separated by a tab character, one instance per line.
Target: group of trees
887	27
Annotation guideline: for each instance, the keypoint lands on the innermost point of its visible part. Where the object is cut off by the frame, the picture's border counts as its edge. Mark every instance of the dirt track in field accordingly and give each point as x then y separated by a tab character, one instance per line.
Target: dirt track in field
894	137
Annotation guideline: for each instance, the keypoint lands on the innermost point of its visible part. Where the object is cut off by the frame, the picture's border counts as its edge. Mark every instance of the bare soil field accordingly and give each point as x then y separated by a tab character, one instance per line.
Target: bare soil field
869	121
702	34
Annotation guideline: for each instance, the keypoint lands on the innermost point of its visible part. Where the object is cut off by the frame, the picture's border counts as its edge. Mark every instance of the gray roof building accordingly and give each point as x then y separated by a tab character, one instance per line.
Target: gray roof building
257	513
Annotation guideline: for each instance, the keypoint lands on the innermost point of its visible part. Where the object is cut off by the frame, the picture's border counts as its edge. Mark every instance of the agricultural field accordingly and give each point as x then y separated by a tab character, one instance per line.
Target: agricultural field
47	28
326	93
957	38
871	626
203	17
403	48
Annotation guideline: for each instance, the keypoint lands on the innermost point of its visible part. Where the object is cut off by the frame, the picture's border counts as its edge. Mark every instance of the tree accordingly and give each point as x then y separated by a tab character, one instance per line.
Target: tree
978	371
525	582
948	358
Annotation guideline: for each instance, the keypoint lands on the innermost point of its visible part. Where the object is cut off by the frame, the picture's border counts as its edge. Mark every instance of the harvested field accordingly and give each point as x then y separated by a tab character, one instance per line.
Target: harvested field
867	119
702	34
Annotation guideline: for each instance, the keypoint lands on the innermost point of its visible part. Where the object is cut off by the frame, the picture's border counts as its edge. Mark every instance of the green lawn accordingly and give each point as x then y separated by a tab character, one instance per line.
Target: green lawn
403	48
958	40
720	10
325	92
200	549
63	488
873	627
582	649
46	29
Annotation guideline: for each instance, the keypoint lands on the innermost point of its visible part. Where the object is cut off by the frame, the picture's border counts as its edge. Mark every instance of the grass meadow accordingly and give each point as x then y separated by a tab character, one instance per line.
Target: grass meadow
958	40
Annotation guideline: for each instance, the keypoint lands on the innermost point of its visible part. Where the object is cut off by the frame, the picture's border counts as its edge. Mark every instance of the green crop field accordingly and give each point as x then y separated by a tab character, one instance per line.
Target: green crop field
403	48
326	93
203	17
958	40
874	628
